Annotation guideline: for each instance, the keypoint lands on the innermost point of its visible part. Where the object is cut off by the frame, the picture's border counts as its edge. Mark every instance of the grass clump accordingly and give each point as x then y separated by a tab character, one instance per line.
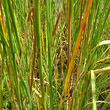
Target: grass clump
54	54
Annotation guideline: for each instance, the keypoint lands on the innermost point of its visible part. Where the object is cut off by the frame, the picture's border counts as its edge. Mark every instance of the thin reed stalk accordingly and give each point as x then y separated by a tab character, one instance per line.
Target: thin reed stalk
36	5
49	35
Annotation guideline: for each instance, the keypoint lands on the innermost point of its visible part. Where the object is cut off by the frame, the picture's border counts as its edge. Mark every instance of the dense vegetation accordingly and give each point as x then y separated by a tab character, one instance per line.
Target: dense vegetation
54	54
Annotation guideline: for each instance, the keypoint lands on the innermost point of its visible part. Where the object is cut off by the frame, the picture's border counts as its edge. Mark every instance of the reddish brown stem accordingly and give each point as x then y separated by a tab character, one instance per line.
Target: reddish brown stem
69	49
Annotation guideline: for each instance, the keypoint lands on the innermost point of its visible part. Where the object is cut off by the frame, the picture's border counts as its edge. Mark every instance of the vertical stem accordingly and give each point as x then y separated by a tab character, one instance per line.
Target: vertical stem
69	33
1	79
34	59
81	13
69	48
36	5
49	34
32	45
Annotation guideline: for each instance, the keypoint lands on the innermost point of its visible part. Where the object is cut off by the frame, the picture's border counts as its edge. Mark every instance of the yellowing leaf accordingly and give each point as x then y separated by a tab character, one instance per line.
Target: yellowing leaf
75	52
104	42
